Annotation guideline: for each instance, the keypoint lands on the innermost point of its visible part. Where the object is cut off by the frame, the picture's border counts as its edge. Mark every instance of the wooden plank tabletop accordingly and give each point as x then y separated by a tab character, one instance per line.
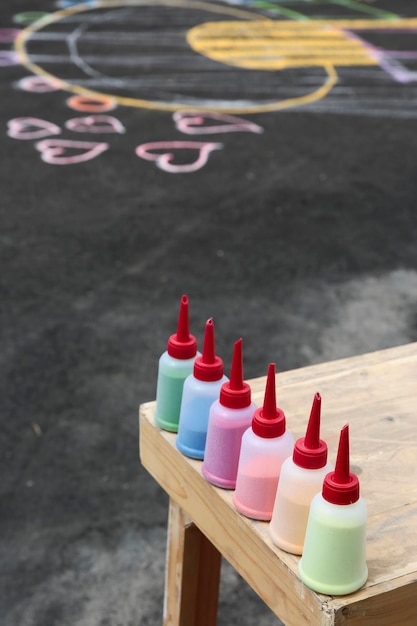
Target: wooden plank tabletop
376	394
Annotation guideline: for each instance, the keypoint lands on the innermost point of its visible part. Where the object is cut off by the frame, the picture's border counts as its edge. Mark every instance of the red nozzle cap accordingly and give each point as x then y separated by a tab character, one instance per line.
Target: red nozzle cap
341	486
310	452
208	367
182	345
236	394
269	421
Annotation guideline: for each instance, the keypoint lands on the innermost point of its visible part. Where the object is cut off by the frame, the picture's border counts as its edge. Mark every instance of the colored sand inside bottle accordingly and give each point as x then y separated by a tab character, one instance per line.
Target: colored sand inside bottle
298	513
169	403
335	549
174	366
258	485
334	555
200	390
222	452
230	416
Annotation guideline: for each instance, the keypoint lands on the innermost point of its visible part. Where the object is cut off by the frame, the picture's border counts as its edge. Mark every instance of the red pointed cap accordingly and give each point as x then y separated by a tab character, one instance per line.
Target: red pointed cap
236	394
208	367
310	452
341	486
269	421
182	345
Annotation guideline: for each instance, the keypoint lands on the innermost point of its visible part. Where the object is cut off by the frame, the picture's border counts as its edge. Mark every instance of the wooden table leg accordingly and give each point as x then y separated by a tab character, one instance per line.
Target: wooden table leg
192	574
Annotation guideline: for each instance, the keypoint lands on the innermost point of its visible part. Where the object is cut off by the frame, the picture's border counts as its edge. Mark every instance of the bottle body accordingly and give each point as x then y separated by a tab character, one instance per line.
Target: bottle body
197	398
258	473
172	373
334	555
296	488
224	436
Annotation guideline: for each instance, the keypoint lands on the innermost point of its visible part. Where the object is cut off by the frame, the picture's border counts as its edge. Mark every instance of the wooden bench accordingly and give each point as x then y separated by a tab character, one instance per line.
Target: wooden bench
377	394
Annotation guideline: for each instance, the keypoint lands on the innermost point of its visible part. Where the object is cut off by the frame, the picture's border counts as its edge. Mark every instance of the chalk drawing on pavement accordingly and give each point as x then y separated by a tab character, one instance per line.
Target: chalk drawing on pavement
236	58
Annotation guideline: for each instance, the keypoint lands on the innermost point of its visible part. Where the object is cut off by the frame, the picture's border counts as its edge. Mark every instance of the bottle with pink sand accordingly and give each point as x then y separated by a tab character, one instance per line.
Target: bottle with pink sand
229	417
265	446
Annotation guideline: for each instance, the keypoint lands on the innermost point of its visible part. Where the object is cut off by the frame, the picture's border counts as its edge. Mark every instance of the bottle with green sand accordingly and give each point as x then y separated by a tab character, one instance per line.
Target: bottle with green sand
175	364
334	555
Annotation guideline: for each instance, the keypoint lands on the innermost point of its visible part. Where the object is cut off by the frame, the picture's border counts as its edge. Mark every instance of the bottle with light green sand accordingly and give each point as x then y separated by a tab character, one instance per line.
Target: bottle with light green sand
175	365
334	555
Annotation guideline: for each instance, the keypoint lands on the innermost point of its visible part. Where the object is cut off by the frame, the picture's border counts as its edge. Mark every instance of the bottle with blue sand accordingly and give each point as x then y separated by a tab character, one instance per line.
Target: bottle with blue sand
201	389
175	364
265	446
301	477
229	417
334	555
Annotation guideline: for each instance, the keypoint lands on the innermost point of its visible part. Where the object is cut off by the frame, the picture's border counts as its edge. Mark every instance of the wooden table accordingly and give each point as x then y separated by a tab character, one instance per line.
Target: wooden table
377	394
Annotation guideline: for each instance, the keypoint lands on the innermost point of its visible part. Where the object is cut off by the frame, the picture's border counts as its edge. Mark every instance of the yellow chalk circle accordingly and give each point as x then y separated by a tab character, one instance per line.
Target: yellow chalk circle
276	45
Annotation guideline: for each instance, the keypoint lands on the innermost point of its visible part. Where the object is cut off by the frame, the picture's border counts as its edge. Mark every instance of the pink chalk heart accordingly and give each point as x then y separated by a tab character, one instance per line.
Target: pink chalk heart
31	128
164	160
95	124
39	84
67	152
201	123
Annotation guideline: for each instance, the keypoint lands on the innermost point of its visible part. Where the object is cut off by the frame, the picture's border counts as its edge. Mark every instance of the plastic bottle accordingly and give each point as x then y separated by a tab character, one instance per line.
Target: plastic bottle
229	417
334	555
301	478
201	389
175	364
265	446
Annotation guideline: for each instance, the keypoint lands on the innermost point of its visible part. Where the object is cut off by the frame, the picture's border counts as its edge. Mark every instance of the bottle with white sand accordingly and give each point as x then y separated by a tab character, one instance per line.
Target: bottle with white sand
301	478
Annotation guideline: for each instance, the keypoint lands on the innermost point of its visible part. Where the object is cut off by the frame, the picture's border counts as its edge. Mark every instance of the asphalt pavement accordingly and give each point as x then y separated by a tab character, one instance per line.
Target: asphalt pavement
286	211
